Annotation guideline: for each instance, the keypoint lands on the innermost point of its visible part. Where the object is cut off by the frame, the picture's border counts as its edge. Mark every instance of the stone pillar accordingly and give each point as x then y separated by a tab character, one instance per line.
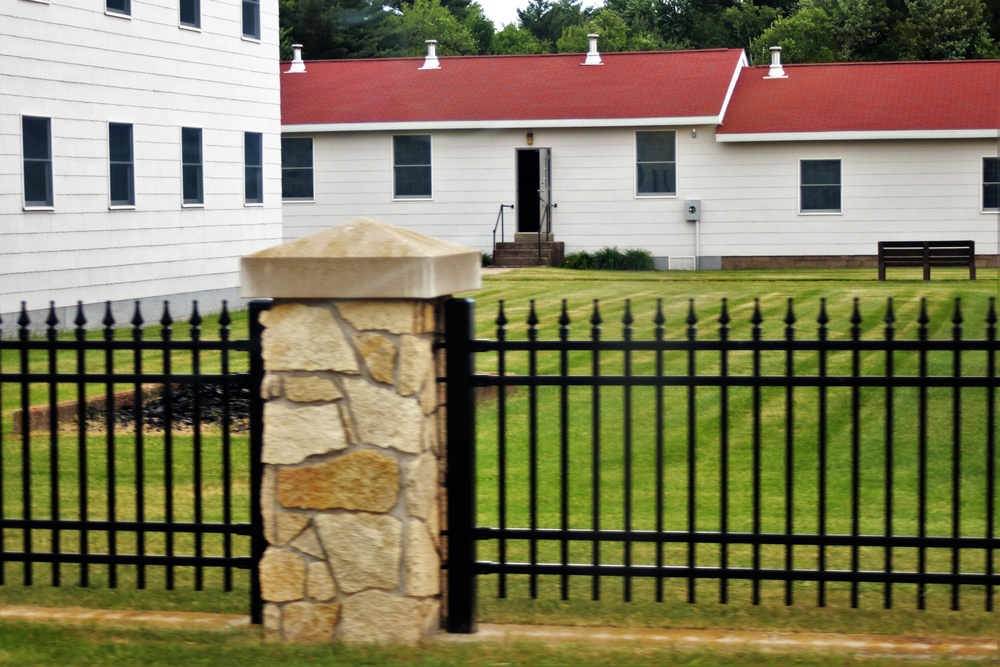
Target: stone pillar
353	433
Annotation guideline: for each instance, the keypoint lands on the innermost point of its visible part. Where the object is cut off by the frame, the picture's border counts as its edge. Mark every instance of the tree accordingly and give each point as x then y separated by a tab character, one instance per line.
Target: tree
546	20
945	30
515	39
337	28
428	19
804	37
746	22
615	35
860	28
480	27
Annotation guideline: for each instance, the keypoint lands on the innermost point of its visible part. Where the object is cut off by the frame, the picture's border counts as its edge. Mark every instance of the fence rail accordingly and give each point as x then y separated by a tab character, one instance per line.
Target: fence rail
126	460
869	461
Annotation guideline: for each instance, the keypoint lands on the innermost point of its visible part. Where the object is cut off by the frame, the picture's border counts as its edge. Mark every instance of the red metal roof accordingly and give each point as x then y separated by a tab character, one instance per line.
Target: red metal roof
867	97
498	89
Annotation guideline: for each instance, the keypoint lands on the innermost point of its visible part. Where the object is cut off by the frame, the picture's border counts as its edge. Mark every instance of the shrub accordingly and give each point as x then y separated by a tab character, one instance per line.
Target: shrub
609	258
637	259
578	260
487	259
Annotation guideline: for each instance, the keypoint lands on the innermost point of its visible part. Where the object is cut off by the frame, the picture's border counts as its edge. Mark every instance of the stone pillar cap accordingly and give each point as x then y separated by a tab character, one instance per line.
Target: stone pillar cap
362	259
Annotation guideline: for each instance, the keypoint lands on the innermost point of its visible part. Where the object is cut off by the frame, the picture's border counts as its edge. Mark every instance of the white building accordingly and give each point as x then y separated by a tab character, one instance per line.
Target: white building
805	165
139	150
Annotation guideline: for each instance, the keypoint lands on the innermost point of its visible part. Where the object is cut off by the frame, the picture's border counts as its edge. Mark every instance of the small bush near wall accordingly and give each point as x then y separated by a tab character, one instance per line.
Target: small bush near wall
487	259
611	259
578	260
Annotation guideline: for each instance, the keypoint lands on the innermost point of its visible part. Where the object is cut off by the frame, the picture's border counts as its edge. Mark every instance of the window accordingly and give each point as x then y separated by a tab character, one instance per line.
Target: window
991	184
297	169
819	186
656	164
191	13
122	173
191	166
411	166
36	143
251	18
123	7
253	167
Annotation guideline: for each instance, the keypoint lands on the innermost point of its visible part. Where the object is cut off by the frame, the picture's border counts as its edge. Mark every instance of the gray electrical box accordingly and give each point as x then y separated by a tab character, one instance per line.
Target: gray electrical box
692	210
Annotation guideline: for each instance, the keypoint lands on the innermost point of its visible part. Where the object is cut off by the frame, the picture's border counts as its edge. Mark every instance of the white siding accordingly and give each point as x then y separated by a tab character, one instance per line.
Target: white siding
71	62
907	190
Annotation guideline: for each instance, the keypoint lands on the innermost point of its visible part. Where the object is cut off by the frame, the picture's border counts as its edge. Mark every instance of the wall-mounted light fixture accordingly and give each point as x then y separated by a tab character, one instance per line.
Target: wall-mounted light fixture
694	132
530	138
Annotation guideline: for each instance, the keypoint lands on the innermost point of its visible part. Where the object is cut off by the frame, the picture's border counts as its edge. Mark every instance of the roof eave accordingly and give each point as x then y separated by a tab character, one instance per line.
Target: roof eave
411	126
859	135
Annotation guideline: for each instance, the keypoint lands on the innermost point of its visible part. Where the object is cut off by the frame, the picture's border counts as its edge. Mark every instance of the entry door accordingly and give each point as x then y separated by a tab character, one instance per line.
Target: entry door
534	189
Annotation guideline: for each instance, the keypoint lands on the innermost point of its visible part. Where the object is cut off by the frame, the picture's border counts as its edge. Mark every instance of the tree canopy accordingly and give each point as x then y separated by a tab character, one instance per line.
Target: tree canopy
807	30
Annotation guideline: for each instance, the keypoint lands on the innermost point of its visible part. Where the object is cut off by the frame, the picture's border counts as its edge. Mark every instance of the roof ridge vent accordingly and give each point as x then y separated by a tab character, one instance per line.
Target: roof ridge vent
593	57
431	61
297	64
776	71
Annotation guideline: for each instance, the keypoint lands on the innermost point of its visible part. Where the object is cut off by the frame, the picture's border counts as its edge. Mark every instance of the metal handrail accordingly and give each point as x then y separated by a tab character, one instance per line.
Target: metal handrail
499	223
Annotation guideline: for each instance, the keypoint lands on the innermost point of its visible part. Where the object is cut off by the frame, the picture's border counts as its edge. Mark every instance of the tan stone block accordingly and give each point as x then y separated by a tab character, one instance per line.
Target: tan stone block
434	526
375	617
365	550
430	397
305	337
269	503
289	525
383	418
320	584
306	622
416	363
308	543
294	433
430	610
270	387
392	315
310	389
282	576
272	621
378	354
422	485
361	480
423	563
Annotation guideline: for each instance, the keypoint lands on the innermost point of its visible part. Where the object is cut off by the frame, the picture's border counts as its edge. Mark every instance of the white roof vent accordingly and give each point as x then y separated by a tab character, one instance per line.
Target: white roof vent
297	65
776	71
593	57
431	61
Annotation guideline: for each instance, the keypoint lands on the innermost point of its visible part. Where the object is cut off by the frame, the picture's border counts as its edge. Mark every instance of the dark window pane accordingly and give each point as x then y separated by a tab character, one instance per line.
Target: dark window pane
191	145
821	198
38	183
412	150
254	185
36	138
297	184
121	185
991	170
296	153
252	149
119	6
821	172
657	178
655	146
991	195
413	181
251	18
120	142
297	168
191	13
192	184
253	176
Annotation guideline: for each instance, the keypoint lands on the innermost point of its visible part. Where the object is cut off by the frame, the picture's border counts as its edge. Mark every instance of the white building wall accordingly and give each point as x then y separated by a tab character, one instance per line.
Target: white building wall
904	190
70	61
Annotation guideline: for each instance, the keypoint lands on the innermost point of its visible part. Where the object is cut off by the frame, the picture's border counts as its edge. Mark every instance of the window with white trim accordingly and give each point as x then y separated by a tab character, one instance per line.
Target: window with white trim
36	146
251	19
297	169
121	164
991	183
411	166
192	171
253	168
656	164
819	186
123	7
190	11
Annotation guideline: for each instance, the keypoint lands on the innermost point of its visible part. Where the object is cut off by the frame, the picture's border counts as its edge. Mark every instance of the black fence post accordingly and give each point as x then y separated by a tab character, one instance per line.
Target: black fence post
257	542
461	465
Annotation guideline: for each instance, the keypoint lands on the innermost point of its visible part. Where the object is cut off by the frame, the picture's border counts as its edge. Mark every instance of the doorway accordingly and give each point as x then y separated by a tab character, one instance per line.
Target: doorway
533	190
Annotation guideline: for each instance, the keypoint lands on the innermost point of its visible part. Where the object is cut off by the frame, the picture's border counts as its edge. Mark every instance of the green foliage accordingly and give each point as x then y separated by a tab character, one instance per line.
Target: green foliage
637	259
804	37
615	34
945	30
547	20
422	20
578	260
487	259
610	258
514	39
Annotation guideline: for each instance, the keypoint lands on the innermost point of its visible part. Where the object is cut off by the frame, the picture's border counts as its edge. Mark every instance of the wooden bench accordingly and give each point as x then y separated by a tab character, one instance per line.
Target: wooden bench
927	254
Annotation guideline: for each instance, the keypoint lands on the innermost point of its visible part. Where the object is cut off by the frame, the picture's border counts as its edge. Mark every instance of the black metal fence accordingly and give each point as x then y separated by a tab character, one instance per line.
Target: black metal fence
127	461
680	466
